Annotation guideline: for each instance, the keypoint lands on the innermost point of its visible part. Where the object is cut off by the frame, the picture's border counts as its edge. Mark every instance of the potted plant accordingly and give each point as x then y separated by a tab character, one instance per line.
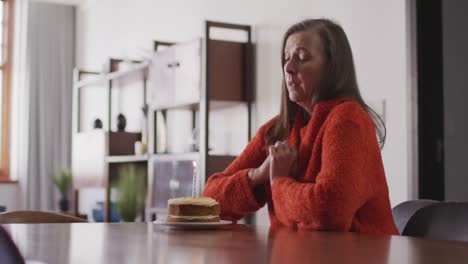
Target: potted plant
131	187
63	180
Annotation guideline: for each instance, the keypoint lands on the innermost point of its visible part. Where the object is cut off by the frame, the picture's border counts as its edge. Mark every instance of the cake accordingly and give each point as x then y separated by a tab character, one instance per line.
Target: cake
193	209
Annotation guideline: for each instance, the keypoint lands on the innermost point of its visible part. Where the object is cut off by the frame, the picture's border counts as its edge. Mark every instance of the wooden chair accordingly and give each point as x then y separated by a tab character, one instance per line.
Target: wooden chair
9	253
37	217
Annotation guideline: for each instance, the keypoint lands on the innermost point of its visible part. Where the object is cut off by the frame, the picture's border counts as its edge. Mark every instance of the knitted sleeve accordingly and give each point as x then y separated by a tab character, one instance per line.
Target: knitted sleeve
231	187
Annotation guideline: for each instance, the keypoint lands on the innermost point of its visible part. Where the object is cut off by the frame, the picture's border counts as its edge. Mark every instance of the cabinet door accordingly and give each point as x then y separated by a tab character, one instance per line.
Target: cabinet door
161	78
187	77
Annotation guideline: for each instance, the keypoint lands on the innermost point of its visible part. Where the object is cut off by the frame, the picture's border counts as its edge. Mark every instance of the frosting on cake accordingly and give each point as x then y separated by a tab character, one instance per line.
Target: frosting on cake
188	217
203	201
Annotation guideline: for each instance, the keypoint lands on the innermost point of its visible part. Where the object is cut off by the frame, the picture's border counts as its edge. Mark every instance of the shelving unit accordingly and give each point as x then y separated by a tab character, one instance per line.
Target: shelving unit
112	76
200	76
97	154
126	158
175	156
220	77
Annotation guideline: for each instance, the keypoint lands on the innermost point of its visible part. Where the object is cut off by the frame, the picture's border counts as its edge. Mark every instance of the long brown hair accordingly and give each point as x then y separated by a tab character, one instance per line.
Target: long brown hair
339	79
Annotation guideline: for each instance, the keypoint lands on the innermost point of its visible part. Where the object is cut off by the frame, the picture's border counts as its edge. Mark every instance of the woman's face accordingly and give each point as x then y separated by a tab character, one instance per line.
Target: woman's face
304	63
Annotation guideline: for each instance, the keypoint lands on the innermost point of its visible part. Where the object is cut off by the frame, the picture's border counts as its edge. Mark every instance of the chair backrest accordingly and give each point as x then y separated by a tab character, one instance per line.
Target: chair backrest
444	221
9	253
36	217
404	211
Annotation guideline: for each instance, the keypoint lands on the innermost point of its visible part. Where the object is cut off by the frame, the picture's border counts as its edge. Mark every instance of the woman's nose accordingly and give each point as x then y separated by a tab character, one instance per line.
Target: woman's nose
289	67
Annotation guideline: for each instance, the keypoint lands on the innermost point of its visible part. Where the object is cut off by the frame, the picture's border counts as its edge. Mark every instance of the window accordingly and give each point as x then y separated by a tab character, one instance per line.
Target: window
6	38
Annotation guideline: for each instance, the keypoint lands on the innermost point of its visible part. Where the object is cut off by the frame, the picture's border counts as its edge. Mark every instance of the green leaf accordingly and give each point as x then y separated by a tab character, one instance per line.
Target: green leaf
63	181
131	187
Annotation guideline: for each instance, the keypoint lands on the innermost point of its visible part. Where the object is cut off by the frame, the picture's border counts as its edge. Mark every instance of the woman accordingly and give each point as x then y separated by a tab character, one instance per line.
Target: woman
318	163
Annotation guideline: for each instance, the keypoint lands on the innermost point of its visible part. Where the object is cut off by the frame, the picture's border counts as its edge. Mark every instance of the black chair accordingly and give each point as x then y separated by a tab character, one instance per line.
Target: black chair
404	211
442	221
9	253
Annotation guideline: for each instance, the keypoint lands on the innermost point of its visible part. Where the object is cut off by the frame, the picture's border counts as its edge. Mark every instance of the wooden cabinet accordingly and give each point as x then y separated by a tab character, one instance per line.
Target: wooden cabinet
93	151
187	68
161	78
175	75
226	68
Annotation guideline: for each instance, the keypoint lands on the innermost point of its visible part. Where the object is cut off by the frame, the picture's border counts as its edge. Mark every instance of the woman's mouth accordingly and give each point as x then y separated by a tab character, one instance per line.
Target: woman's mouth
293	84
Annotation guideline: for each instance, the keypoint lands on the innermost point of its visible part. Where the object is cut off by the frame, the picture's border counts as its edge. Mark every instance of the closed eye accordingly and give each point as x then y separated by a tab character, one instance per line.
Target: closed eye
304	56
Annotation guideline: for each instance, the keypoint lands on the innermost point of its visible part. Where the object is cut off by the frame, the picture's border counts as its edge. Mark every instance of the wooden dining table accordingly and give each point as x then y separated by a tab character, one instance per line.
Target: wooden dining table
150	243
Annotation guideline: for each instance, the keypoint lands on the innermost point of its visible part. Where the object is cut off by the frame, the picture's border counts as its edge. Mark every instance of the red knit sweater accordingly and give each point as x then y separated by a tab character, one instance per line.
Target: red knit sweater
340	184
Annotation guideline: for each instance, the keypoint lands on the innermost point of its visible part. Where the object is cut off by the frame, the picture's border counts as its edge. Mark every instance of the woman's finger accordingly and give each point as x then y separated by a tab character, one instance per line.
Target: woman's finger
287	148
277	144
272	150
278	147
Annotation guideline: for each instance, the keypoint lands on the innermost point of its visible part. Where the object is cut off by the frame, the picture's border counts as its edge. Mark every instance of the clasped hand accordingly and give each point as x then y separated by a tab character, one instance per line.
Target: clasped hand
281	162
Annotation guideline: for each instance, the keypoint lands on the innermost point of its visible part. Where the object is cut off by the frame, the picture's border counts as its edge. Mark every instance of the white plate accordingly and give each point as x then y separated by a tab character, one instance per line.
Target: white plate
192	225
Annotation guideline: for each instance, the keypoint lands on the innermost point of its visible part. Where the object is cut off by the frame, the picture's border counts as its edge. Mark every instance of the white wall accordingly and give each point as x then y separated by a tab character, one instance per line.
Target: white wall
10	196
377	31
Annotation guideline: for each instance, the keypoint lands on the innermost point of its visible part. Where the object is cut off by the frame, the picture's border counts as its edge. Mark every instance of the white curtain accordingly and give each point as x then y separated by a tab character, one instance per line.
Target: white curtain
46	105
20	102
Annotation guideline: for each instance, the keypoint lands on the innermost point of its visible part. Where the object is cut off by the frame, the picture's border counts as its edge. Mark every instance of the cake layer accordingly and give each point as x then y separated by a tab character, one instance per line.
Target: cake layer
214	218
193	210
202	201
